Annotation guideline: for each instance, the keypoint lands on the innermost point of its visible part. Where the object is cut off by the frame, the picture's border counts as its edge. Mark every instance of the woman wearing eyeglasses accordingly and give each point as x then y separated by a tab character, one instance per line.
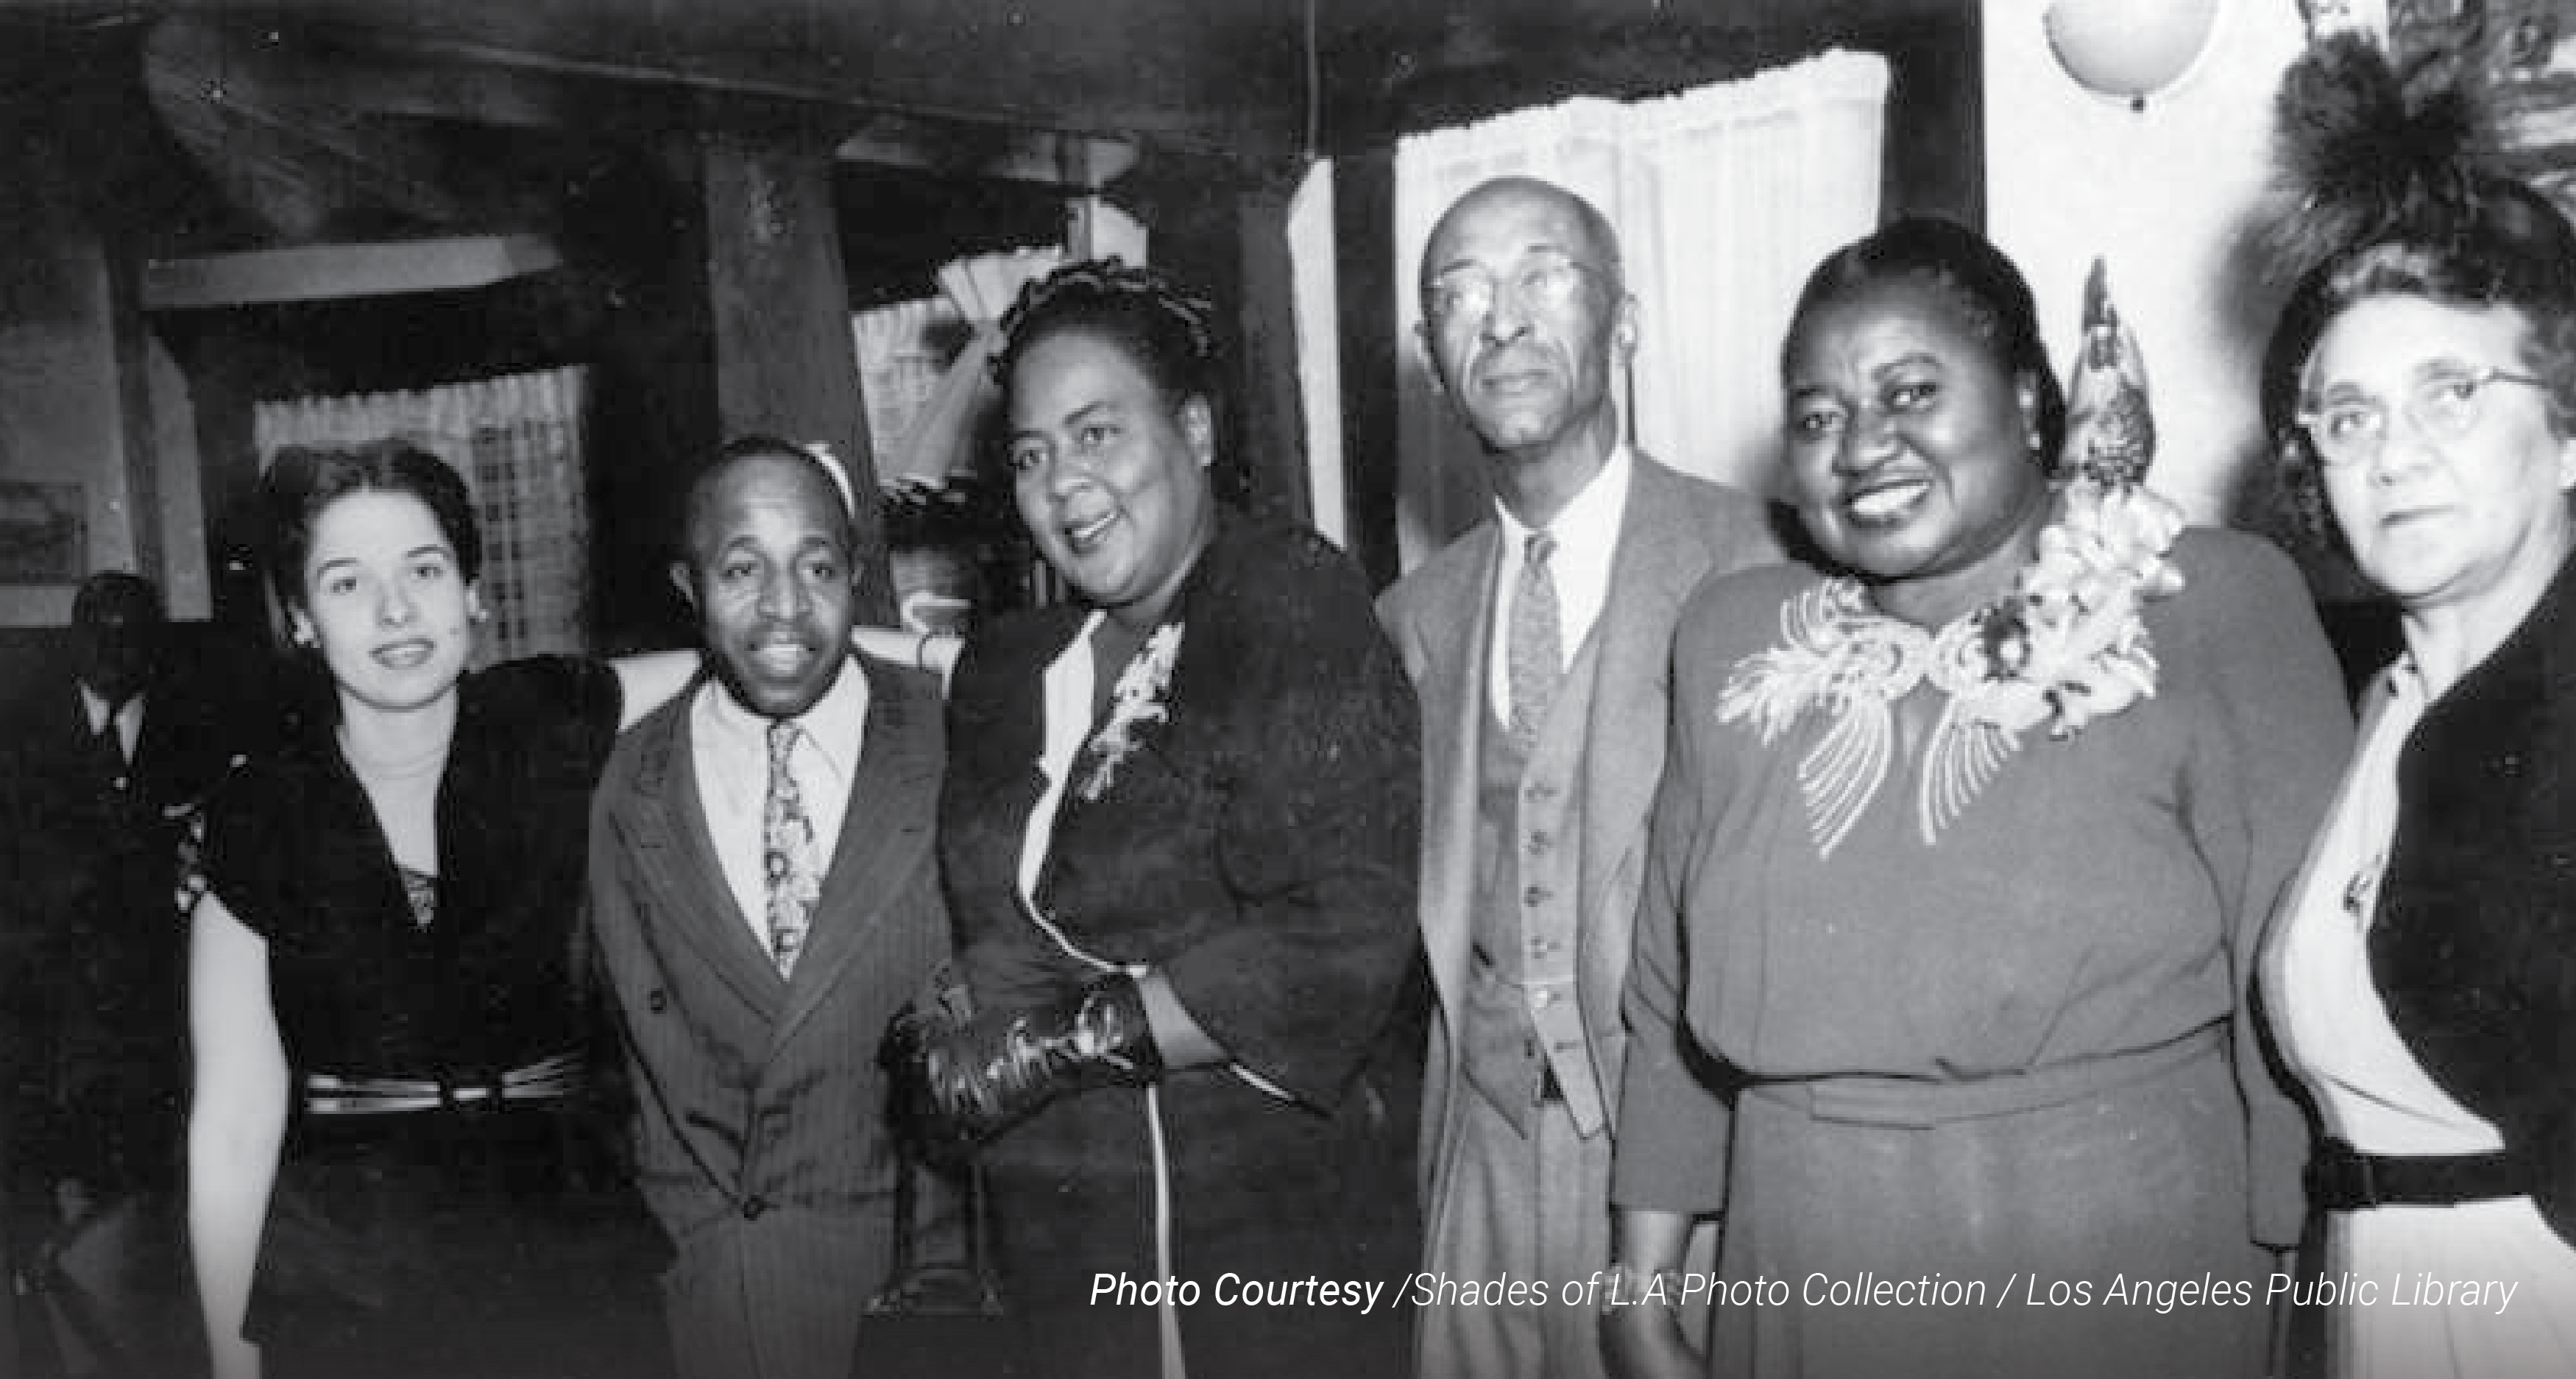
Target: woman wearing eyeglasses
2423	979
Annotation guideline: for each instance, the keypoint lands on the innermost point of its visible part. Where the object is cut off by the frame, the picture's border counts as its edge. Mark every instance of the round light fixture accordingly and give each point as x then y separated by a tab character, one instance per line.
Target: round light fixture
2128	50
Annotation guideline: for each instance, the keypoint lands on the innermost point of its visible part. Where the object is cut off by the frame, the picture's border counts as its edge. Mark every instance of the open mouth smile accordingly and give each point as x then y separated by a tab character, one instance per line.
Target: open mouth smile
1885	501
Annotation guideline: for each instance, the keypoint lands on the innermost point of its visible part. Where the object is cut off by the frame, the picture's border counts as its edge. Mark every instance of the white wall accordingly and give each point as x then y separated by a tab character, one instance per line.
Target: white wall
2162	195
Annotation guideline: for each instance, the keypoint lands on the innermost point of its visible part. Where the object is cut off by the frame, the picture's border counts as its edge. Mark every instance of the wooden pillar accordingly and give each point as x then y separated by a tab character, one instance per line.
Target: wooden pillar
1274	421
1364	228
784	360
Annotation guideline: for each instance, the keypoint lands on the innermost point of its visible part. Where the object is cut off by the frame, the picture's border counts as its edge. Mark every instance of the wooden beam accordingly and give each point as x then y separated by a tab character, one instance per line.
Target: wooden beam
784	360
1079	161
327	272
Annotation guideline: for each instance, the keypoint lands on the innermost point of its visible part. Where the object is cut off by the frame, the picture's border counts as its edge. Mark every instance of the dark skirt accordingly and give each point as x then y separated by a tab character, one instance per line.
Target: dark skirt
1269	1201
497	1247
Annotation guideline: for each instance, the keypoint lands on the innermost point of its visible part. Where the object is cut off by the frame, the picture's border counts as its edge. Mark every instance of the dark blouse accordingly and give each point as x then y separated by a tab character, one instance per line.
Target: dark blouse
1258	847
2474	945
294	851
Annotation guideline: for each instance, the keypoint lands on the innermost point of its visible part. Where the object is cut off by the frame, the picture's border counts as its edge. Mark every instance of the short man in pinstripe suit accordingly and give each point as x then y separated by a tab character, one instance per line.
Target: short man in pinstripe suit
764	896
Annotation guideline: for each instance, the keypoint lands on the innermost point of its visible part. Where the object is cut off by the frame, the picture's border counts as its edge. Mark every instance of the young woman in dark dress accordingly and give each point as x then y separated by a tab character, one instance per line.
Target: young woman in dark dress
387	1159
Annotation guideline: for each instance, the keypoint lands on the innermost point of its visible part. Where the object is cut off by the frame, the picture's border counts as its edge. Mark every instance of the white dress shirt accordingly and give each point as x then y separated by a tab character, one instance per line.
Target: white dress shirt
729	746
1587	538
129	718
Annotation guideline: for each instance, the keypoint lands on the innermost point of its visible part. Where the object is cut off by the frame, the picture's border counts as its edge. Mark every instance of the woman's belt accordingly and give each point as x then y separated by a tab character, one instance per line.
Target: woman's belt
2342	1178
1921	1103
547	1079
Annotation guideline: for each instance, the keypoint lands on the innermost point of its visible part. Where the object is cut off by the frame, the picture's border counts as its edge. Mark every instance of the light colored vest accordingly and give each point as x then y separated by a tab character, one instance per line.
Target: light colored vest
1521	1015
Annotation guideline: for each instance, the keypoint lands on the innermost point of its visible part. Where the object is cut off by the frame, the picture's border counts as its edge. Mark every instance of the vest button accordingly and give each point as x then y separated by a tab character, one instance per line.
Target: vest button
656	1001
1541	841
1543	997
1534	897
752	1207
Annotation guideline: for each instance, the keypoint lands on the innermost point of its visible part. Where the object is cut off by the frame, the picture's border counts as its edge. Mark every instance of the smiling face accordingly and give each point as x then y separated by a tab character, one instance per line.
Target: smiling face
385	600
769	573
1527	367
1909	445
2483	517
1111	476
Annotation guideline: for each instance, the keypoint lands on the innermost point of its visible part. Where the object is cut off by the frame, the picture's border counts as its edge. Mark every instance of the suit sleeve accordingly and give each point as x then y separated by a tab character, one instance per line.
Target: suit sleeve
2278	739
1319	837
1673	1127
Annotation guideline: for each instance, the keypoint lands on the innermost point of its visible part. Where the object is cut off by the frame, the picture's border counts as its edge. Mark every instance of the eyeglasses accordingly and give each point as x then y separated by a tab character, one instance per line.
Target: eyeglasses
2444	407
1469	293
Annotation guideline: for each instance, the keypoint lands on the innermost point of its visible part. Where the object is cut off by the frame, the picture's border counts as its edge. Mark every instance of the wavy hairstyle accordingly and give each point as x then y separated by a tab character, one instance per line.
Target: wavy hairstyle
1170	333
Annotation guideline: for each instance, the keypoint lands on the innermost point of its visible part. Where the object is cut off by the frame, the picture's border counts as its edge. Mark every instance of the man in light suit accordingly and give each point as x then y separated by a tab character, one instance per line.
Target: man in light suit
764	896
1539	642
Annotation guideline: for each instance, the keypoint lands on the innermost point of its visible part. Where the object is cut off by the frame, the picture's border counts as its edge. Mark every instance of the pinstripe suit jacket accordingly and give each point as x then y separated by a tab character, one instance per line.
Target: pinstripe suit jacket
759	1132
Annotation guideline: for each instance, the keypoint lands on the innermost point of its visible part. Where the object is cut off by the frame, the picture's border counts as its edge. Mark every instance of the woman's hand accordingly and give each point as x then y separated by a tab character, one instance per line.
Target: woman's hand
1641	1321
935	652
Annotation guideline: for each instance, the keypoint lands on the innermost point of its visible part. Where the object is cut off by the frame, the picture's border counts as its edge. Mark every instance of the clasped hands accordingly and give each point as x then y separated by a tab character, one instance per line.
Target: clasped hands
959	1076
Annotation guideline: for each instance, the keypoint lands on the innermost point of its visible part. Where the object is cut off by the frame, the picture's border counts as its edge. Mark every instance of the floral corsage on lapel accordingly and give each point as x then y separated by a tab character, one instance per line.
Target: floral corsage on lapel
1140	698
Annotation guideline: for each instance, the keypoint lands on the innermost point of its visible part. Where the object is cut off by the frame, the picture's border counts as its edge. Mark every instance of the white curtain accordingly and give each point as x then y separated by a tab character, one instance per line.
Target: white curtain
517	441
903	353
922	364
1724	197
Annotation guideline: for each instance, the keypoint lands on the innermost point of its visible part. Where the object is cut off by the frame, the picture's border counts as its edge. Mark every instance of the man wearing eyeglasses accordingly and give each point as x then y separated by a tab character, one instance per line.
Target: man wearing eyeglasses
1539	642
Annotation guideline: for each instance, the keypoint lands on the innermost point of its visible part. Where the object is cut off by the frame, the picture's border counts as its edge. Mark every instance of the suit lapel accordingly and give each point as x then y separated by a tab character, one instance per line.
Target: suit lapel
897	778
666	828
1659	561
1457	640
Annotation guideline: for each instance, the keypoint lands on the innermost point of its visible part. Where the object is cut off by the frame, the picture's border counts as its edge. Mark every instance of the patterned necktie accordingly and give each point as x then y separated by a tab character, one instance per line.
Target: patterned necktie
788	862
1536	649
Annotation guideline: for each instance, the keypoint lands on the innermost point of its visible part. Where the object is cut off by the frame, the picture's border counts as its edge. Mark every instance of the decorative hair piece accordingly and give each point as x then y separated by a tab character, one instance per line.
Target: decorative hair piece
2365	154
1108	289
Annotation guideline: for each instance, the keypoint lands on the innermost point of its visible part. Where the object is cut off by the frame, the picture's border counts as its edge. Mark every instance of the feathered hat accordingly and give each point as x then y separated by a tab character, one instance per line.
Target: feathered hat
2371	161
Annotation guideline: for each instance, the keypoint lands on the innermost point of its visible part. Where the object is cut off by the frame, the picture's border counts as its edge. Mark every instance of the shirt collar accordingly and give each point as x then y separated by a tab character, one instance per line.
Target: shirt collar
833	725
1588	524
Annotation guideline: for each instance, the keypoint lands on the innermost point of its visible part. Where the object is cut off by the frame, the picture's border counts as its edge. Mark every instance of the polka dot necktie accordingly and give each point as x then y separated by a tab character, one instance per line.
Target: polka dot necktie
789	863
1536	650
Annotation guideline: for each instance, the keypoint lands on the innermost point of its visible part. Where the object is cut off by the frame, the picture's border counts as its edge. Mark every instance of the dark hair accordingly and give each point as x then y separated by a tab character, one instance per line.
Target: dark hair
1980	283
117	591
1169	333
760	446
2387	189
303	481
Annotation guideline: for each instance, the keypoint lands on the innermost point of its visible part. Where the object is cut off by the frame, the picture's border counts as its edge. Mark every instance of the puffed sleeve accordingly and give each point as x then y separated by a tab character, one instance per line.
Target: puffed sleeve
1673	1127
1320	831
2277	733
242	854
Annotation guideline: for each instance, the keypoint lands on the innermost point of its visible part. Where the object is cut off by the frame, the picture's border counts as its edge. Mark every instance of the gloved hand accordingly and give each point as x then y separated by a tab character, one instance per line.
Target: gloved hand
958	1082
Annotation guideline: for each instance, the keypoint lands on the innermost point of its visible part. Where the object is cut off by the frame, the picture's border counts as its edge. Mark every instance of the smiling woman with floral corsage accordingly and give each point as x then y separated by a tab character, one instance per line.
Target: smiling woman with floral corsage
1179	831
1958	869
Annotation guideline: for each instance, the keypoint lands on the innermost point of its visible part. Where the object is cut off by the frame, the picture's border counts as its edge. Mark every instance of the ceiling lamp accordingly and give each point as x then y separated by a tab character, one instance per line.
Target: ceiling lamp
2128	50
